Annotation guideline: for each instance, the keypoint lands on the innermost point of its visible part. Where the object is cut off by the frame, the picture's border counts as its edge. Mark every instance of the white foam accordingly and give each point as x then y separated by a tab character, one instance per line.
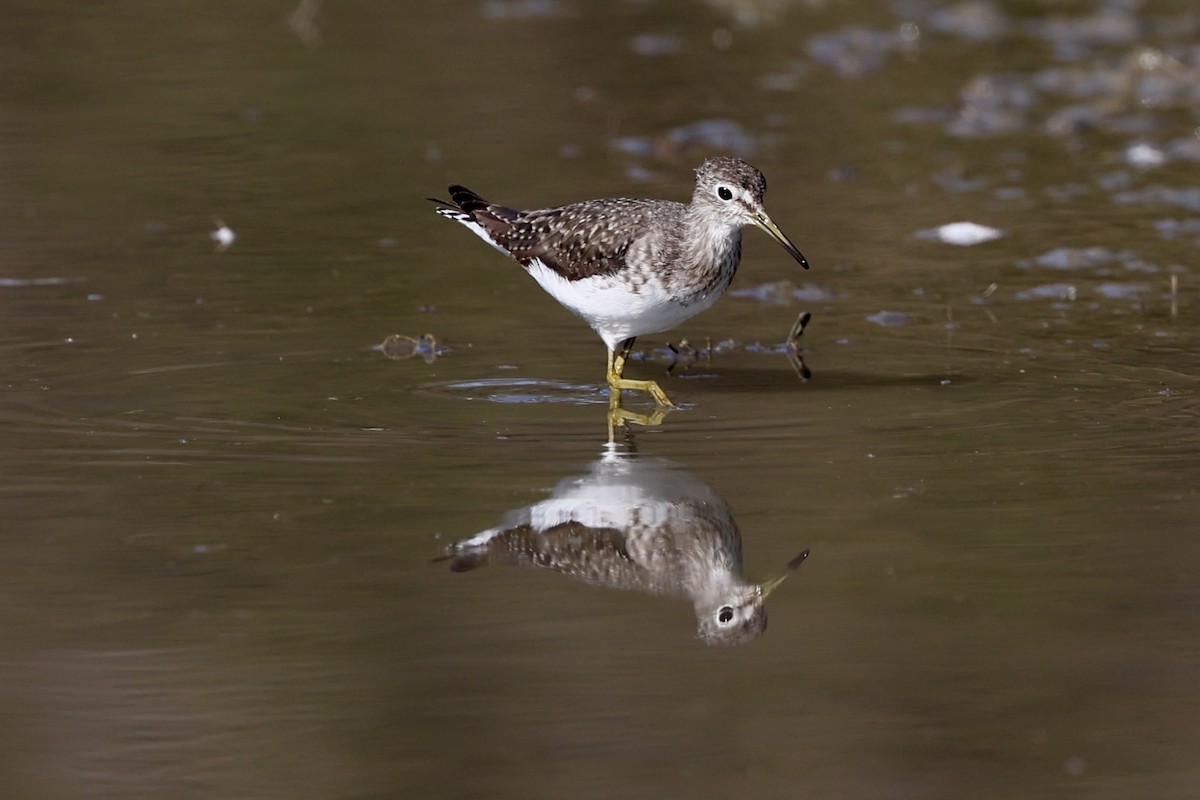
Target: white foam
963	234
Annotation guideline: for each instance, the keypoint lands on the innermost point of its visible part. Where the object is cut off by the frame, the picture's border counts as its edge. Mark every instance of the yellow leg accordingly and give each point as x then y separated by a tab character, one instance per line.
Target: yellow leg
616	366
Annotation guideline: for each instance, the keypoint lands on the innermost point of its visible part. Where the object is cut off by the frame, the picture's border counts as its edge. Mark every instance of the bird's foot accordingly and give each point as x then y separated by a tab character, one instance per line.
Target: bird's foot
617	384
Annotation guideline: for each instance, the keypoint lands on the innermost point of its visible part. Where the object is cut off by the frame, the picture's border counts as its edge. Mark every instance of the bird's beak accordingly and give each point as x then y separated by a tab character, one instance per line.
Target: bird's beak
763	221
771	585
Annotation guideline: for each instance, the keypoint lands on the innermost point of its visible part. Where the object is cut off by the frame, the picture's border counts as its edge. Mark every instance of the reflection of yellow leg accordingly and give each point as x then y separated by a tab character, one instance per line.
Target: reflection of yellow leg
619	416
616	366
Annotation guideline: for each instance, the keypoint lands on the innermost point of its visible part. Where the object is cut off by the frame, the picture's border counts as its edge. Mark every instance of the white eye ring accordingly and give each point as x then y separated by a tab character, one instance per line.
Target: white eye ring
724	193
725	615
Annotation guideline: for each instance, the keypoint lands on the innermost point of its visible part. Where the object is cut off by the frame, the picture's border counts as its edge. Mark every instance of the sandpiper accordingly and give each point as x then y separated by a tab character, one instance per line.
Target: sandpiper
631	267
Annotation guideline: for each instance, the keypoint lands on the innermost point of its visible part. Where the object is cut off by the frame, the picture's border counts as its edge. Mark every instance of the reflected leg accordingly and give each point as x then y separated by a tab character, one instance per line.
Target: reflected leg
619	416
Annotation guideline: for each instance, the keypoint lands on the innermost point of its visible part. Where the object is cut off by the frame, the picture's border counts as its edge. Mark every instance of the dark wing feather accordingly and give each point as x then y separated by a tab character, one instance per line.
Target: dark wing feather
466	200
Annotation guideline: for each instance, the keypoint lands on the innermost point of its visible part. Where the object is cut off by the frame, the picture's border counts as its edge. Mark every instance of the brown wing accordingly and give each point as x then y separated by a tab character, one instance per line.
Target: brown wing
576	241
596	555
586	239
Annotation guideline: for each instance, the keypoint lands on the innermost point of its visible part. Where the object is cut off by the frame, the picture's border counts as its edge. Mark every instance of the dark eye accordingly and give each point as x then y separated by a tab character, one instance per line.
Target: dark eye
726	613
724	193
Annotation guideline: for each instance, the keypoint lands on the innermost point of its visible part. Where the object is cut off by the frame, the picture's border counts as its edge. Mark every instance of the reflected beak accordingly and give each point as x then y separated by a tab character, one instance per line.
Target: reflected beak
771	585
763	221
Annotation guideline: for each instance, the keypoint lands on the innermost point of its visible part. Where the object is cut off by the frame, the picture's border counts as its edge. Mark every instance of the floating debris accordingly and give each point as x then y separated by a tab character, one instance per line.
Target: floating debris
977	20
783	292
952	181
890	319
794	355
684	354
990	105
1174	228
1187	198
1073	37
713	134
705	135
1187	149
1072	258
793	339
753	13
812	293
964	234
223	235
1049	291
399	347
854	51
1122	291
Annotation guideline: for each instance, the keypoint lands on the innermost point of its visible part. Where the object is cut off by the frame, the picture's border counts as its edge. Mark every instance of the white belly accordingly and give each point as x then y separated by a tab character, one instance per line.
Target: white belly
615	311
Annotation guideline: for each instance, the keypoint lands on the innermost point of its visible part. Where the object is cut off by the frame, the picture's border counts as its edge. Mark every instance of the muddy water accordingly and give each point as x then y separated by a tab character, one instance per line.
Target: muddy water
226	510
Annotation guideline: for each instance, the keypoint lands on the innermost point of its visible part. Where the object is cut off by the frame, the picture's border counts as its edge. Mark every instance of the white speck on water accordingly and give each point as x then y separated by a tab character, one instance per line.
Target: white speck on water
1144	156
963	234
95	297
223	235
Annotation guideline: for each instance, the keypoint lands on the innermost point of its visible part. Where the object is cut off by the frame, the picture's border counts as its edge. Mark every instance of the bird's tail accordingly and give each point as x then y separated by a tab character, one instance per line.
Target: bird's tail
462	199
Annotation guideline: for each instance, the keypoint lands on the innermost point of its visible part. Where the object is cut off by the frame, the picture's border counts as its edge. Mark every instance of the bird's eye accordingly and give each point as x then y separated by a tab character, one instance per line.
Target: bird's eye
724	193
725	615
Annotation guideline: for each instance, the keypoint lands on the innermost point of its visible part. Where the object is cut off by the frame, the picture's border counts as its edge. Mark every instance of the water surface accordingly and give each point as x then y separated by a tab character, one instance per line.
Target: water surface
226	508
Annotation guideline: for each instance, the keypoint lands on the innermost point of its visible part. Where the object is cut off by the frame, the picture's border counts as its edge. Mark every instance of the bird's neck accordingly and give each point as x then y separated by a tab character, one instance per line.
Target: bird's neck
710	244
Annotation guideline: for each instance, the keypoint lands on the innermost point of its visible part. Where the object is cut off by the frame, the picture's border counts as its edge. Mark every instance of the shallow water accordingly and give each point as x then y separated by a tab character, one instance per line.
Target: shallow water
228	508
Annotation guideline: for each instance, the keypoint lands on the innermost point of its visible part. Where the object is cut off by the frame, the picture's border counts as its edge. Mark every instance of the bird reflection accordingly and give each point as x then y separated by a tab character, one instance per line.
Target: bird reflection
636	523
